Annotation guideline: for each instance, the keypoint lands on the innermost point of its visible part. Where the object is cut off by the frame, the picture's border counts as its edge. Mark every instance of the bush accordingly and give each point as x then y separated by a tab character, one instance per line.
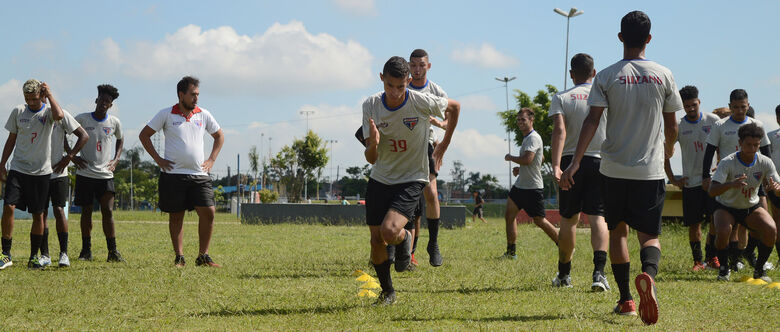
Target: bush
267	196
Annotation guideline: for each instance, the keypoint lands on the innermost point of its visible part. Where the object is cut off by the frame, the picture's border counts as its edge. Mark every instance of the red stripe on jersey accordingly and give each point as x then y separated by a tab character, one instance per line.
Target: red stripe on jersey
175	110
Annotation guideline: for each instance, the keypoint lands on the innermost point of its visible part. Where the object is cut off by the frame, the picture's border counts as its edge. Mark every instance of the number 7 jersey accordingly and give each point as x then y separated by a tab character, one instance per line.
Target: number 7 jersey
403	135
100	147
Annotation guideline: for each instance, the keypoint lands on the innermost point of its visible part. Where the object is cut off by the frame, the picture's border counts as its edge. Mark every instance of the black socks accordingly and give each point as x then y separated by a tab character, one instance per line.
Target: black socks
383	274
414	244
86	243
696	251
433	231
111	244
599	261
35	244
510	248
63	237
564	269
620	271
45	243
6	246
650	257
709	248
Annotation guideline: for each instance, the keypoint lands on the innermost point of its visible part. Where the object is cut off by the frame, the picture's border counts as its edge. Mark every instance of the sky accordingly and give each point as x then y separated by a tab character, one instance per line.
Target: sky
263	63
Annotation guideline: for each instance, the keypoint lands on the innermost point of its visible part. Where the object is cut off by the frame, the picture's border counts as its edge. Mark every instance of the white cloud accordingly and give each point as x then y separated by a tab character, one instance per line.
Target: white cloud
285	59
485	56
10	97
357	7
477	103
472	144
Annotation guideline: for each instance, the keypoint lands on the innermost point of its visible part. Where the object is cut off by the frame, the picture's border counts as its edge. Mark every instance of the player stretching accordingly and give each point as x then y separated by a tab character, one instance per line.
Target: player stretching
526	194
568	110
419	66
735	183
640	98
395	123
184	182
27	182
694	128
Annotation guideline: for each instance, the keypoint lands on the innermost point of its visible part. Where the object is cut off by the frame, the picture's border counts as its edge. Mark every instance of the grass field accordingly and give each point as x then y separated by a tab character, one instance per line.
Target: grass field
297	277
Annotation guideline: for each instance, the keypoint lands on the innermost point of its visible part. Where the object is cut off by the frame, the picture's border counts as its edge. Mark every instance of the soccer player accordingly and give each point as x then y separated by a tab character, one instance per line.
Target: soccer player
419	66
735	183
59	184
478	207
640	98
184	182
95	171
697	204
774	138
723	138
27	182
568	110
395	123
526	194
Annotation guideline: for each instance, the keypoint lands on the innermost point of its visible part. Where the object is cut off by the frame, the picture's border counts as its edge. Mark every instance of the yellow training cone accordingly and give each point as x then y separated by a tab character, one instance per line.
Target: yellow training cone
366	293
365	278
370	285
745	279
757	282
357	273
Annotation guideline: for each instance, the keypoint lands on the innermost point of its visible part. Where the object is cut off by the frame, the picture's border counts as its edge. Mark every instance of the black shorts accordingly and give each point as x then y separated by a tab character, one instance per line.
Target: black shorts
478	212
697	206
179	192
380	198
638	203
739	214
58	191
774	199
27	192
431	162
585	195
530	200
90	189
419	211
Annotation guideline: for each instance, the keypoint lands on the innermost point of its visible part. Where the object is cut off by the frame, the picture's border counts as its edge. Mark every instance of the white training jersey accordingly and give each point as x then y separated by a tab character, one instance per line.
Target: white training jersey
732	167
692	136
433	89
101	145
573	105
774	140
184	137
403	133
530	176
61	129
32	153
635	93
724	134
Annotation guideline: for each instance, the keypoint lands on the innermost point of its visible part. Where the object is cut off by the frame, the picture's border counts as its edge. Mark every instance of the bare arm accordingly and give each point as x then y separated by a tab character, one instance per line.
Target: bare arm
219	140
118	153
717	188
10	143
670	175
451	114
589	127
558	137
81	140
372	143
670	133
524	159
146	140
709	152
56	111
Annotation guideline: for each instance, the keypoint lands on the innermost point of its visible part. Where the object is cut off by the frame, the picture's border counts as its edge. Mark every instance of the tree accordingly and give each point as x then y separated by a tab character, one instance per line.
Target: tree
486	183
458	176
254	165
312	154
284	166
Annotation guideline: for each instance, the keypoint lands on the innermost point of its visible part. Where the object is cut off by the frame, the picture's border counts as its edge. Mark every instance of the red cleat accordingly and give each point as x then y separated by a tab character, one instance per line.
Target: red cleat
414	261
648	302
713	263
625	308
699	266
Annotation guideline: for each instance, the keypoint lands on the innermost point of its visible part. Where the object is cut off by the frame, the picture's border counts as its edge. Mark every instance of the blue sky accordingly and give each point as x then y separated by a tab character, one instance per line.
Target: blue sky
262	62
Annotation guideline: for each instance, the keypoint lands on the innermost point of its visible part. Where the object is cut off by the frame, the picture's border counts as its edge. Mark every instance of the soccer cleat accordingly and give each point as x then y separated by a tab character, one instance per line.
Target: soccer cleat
414	261
44	261
724	274
600	283
435	256
115	256
648	302
625	308
64	260
385	298
205	260
508	255
85	255
179	261
34	264
5	261
769	266
738	266
699	266
562	282
761	275
713	263
403	253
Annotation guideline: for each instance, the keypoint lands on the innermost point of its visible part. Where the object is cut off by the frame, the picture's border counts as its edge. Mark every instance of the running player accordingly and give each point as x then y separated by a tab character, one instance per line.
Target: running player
419	65
735	183
27	182
184	182
526	194
774	139
478	207
697	204
59	184
568	109
723	138
396	127
95	171
642	99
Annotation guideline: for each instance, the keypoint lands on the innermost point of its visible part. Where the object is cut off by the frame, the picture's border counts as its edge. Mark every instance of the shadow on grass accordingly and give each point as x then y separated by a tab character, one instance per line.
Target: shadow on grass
504	318
277	311
475	290
296	275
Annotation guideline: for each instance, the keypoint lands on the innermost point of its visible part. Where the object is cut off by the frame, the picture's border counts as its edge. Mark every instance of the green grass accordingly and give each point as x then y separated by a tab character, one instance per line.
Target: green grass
297	277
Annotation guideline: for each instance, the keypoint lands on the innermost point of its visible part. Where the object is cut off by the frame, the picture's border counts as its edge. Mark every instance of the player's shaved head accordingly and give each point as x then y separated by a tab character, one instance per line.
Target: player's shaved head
689	92
418	53
635	28
396	67
751	130
581	66
738	94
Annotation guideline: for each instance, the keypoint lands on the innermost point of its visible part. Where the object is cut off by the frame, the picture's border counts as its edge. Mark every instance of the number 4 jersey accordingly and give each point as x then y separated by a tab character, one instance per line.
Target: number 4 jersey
693	140
732	167
100	147
403	135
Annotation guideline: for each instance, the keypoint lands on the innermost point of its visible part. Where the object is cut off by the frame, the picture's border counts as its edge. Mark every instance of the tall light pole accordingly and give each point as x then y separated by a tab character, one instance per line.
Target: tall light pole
262	163
306	114
331	141
572	13
506	81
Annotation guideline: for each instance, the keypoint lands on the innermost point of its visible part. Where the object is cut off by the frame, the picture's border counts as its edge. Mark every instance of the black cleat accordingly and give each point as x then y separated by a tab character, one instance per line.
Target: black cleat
85	255
385	298
403	253
115	256
435	256
179	261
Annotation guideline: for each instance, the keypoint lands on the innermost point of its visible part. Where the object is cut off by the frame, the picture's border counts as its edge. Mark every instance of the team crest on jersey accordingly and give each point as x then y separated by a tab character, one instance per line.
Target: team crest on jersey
411	122
42	120
198	123
706	129
107	130
758	175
